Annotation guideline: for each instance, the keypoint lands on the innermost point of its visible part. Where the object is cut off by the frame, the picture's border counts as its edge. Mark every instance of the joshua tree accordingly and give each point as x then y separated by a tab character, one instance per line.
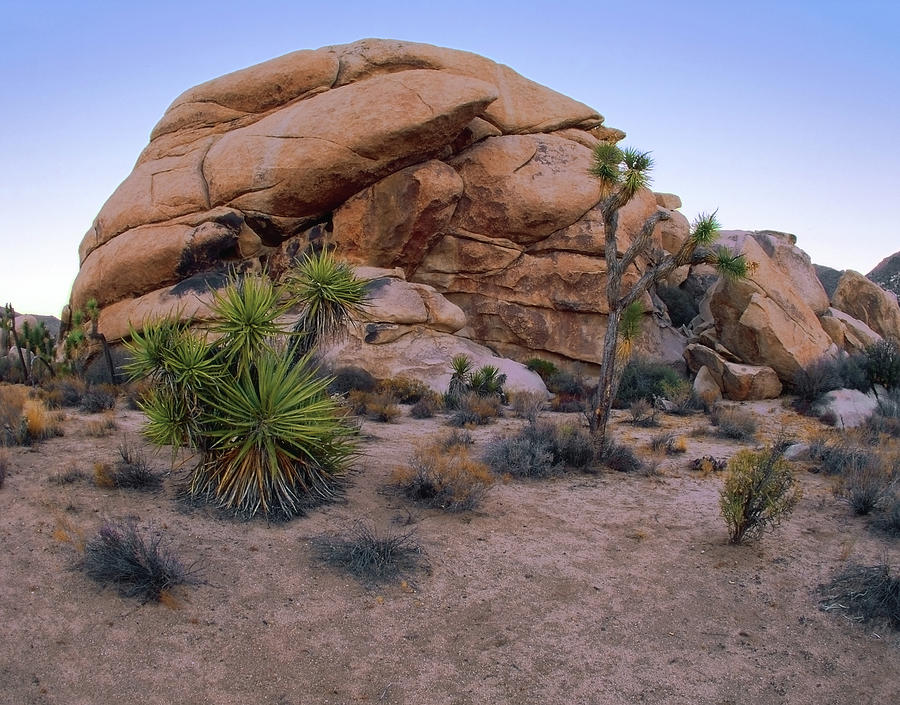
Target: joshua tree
622	173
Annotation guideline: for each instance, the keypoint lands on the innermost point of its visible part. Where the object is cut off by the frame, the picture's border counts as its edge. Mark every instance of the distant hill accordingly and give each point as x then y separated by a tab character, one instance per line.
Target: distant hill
887	273
829	278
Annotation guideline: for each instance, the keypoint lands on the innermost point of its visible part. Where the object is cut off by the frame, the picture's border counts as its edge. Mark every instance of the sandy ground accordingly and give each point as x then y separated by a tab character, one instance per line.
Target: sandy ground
589	589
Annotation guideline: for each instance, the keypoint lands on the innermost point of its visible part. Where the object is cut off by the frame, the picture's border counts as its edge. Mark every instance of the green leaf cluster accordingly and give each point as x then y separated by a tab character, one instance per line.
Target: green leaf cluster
270	438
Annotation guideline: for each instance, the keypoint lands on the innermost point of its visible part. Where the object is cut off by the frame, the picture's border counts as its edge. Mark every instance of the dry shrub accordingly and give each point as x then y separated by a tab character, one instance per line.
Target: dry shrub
12	402
527	405
40	422
868	482
104	426
66	532
4	464
668	443
137	566
541	450
889	520
356	401
444	478
619	457
67	477
404	390
707	464
475	410
456	437
130	472
104	476
427	406
372	557
643	413
65	391
868	594
101	397
733	422
382	407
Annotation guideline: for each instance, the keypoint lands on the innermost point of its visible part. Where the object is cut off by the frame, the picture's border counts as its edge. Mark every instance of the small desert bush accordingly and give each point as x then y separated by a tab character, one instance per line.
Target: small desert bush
836	453
681	397
137	566
619	457
527	405
348	379
426	407
12	403
759	491
707	464
104	426
456	437
541	450
668	443
382	407
814	381
370	556
733	422
645	379
101	397
65	391
868	594
643	413
544	368
404	389
882	363
4	464
444	477
567	384
67	477
130	472
867	483
473	409
889	520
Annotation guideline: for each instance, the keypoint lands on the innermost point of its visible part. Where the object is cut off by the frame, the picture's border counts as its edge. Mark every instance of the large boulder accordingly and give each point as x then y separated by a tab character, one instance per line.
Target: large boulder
465	175
735	381
765	319
865	300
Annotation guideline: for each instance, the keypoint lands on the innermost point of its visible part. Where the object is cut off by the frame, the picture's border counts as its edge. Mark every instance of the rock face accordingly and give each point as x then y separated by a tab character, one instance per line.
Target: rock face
868	302
468	177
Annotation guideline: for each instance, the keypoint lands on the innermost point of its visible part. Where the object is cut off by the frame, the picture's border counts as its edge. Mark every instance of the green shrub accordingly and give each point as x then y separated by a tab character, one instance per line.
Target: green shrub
544	368
121	556
759	491
644	379
883	363
369	556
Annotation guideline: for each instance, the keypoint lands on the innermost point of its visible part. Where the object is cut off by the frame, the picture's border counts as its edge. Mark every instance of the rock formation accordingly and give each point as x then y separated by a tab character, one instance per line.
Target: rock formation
462	189
454	170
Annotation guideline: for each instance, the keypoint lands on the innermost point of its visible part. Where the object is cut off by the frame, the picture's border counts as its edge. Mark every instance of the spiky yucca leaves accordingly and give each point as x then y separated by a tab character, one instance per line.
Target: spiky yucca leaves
629	329
277	439
626	168
246	316
330	294
487	381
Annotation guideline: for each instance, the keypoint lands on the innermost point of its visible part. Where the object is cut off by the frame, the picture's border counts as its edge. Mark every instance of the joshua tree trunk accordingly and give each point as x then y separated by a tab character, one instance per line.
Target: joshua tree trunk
15	337
606	386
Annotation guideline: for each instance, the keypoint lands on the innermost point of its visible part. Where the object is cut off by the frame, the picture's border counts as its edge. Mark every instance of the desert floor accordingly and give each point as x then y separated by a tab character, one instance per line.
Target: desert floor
600	588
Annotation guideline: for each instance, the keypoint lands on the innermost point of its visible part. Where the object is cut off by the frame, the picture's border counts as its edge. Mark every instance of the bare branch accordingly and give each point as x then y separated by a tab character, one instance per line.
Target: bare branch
643	239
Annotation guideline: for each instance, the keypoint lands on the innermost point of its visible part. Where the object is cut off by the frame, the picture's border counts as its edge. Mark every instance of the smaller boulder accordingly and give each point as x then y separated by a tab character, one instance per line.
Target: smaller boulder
848	407
706	388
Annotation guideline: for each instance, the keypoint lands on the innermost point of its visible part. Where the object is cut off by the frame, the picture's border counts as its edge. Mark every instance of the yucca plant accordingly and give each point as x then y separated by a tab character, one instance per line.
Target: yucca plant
487	381
330	294
270	439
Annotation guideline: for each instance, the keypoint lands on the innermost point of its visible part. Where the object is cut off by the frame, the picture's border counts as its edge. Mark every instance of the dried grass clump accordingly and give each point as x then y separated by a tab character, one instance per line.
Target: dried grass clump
643	413
668	443
867	594
867	482
65	391
733	422
131	472
527	405
369	556
444	477
382	407
137	566
475	410
427	406
24	421
404	390
102	427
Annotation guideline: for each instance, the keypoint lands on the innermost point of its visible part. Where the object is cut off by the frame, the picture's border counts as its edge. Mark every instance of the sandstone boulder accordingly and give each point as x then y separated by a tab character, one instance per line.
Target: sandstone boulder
869	303
764	319
848	333
706	389
736	381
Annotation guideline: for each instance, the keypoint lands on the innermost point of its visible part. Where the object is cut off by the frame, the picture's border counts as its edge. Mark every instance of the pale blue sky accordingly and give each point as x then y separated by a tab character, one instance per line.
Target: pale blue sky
782	115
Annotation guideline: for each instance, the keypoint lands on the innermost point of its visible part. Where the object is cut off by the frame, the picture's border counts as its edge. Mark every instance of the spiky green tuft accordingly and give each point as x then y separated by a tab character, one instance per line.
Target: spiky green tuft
705	230
729	265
